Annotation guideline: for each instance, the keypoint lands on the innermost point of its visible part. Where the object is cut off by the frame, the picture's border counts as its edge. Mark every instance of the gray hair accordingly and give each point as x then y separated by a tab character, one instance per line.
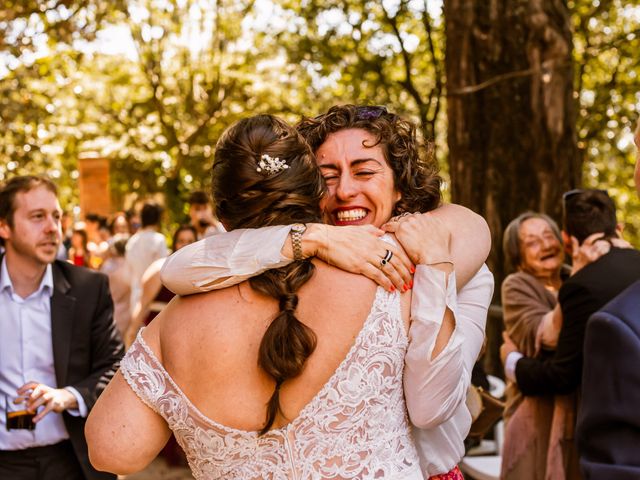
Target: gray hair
511	246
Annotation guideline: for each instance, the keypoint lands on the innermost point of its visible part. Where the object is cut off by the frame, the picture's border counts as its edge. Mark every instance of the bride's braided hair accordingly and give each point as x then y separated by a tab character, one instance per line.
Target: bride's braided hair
246	198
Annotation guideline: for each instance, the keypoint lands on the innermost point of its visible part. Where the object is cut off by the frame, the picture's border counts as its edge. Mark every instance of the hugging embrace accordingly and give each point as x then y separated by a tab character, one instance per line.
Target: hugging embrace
319	345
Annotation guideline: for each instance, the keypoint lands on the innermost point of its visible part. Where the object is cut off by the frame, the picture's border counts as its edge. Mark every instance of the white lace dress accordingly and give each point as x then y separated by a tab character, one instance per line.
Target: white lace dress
354	427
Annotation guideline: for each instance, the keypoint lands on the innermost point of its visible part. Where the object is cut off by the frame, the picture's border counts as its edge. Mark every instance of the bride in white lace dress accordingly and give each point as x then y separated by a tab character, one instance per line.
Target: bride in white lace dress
295	374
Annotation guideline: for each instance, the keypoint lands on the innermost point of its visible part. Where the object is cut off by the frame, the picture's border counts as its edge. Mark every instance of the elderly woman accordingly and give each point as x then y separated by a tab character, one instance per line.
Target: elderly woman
374	168
533	248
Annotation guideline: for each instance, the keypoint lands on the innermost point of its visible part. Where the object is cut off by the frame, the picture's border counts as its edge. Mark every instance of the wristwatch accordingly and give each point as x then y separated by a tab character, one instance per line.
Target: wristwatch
297	229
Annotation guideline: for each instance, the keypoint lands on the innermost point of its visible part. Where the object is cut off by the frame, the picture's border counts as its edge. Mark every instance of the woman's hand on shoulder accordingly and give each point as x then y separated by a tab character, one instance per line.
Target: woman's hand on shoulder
360	249
470	238
424	236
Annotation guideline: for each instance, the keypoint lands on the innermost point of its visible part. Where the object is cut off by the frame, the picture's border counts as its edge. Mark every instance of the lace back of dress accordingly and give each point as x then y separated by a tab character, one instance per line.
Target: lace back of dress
355	426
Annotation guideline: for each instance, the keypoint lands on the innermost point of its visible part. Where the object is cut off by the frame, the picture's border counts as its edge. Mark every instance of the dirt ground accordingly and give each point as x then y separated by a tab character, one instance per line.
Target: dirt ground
158	470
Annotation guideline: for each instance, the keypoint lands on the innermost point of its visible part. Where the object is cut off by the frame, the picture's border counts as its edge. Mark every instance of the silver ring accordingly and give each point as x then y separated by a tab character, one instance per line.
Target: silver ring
386	259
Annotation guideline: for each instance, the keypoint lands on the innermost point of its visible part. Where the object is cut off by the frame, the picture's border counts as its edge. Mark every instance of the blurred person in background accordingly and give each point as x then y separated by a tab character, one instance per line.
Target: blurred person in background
119	224
133	218
96	244
201	215
533	250
145	246
66	222
119	273
155	295
79	253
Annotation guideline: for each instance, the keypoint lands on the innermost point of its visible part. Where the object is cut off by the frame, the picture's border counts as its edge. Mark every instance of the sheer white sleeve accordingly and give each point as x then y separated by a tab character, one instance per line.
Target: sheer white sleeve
225	259
434	388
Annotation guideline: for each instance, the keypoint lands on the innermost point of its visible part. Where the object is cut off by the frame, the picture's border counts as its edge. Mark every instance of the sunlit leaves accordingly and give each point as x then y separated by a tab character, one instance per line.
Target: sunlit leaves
607	41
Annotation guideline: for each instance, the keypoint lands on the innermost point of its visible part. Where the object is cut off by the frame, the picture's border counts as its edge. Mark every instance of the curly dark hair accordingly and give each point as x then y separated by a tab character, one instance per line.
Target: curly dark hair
248	195
415	172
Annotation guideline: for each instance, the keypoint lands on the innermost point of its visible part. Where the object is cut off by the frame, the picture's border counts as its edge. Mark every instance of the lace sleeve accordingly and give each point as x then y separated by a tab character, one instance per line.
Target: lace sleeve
144	374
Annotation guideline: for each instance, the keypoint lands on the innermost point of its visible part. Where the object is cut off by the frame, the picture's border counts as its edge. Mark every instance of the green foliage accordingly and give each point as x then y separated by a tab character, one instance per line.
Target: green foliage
26	26
196	66
387	53
607	41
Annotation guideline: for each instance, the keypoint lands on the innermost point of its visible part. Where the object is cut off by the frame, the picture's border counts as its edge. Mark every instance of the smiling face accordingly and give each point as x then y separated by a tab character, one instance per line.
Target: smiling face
35	234
360	183
542	253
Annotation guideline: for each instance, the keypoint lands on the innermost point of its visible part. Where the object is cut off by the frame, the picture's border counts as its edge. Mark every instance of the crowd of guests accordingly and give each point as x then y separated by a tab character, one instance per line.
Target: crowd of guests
130	249
286	292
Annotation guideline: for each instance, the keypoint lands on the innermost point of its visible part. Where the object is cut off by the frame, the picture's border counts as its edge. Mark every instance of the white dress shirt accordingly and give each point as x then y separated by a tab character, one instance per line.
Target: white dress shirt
444	420
142	249
26	354
510	365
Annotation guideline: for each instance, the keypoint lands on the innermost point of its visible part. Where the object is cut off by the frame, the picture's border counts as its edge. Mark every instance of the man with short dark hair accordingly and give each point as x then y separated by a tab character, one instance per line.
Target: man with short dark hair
58	348
608	430
201	215
586	212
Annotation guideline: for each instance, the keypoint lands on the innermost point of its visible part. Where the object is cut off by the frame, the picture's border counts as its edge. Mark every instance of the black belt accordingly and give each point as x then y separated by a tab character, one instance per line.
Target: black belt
38	452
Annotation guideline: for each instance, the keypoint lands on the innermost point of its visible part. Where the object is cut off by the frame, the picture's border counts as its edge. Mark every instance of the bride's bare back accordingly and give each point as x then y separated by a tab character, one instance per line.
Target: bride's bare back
209	344
195	367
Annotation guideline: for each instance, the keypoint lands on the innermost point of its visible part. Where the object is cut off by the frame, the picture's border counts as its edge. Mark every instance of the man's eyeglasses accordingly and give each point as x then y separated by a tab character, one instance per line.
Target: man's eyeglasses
370	112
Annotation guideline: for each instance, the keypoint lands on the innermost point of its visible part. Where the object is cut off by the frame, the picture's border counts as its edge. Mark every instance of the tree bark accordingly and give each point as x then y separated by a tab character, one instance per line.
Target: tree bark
511	114
511	110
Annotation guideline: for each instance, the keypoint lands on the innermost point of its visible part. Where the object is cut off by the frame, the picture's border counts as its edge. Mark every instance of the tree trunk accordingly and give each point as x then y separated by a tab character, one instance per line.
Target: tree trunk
511	111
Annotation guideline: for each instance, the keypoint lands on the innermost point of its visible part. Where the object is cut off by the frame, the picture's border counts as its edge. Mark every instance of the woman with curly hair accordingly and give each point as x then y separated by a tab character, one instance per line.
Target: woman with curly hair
296	373
376	170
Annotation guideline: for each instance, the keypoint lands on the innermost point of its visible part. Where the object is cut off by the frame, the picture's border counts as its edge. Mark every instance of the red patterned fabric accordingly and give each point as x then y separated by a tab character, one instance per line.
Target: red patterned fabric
454	474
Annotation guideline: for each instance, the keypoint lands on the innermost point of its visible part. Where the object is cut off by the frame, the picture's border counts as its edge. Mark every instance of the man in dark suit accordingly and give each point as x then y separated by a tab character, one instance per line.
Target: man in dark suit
608	430
587	290
59	346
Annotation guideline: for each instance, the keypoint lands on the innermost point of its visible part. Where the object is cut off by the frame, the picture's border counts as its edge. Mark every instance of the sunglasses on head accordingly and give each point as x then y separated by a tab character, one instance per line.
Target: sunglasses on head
572	193
370	112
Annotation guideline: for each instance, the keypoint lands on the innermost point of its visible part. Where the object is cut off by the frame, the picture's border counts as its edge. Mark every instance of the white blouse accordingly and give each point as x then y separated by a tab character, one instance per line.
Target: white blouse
435	389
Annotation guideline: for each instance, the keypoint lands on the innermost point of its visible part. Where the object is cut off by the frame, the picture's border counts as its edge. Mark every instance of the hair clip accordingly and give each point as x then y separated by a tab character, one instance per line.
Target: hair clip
271	165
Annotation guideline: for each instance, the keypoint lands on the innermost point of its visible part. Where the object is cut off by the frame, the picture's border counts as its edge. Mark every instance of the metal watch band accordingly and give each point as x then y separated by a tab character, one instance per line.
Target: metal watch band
296	240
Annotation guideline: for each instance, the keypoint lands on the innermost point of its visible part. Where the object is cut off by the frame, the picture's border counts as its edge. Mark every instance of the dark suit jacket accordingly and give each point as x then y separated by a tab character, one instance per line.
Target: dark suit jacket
86	345
608	422
580	296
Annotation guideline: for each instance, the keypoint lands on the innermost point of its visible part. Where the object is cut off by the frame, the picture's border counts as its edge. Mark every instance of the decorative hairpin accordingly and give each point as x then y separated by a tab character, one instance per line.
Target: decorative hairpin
271	165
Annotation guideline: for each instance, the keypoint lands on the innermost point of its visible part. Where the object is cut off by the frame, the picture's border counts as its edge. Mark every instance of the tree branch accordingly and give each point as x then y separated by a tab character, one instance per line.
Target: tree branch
549	64
407	83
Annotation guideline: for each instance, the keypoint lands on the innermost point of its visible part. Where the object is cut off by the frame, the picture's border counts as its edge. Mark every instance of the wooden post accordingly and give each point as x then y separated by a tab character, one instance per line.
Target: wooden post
95	194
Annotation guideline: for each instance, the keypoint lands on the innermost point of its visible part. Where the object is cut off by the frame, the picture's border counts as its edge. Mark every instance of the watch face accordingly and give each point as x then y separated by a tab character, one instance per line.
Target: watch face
299	228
